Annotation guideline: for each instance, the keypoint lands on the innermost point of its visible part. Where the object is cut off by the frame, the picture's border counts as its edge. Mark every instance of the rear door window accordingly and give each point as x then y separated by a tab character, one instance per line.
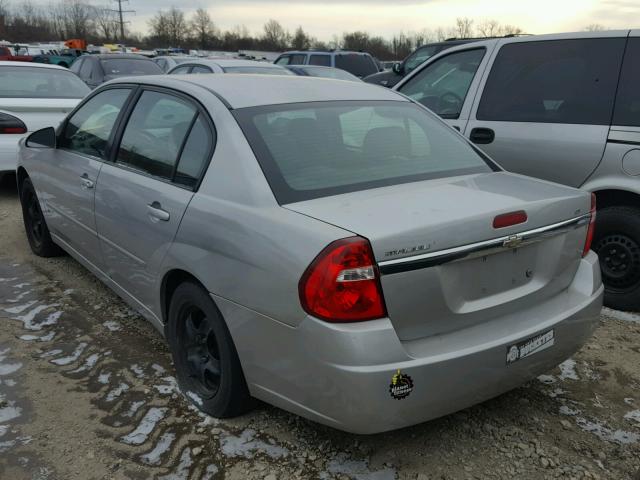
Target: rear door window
442	86
195	154
201	69
323	60
155	133
181	70
560	81
357	64
627	110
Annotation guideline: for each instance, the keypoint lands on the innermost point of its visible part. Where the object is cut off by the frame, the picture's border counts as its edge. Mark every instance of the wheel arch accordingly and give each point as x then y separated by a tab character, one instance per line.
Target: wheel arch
21	176
172	280
610	197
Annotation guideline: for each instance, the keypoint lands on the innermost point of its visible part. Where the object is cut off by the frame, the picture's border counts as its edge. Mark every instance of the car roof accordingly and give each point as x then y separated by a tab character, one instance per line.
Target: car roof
327	52
251	90
230	62
4	63
110	56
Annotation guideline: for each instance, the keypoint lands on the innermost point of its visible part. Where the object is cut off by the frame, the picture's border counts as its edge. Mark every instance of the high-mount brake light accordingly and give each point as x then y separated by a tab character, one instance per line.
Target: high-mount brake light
510	219
342	284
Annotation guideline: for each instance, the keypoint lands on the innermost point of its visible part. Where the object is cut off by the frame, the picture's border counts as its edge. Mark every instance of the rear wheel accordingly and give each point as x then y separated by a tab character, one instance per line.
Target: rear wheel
617	243
204	355
35	224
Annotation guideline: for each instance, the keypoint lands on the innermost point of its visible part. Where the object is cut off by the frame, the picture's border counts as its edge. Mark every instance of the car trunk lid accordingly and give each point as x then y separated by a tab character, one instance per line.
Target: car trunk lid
444	266
37	113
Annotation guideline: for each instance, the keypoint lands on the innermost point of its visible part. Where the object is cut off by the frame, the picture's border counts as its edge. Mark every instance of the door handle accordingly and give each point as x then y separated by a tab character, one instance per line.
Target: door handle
156	212
85	182
482	136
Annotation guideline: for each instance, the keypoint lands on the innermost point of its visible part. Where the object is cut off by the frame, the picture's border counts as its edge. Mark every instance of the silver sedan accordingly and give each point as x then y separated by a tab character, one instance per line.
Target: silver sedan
329	247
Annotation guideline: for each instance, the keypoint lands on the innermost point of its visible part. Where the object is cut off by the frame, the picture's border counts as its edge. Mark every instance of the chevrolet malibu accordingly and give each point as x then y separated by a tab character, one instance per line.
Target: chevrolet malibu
329	247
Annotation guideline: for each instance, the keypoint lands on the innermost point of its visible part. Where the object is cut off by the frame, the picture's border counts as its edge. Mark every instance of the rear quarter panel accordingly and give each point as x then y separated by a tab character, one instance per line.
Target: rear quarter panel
235	238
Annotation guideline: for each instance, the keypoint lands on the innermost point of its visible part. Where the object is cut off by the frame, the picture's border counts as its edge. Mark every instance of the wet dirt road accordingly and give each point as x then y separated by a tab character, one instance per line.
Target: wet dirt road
87	392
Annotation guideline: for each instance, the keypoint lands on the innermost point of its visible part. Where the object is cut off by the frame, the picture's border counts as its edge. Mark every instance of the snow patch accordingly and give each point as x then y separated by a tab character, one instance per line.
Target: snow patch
618	315
38	338
358	469
568	370
182	470
8	368
247	446
195	398
116	392
71	358
103	378
170	386
633	415
145	427
112	326
88	364
547	379
164	443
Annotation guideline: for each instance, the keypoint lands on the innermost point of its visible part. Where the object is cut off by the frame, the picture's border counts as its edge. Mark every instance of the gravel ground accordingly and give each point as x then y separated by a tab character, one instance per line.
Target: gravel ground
87	392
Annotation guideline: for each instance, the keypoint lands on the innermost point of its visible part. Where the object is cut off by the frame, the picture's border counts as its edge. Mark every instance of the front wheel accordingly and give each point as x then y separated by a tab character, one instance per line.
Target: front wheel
205	357
617	243
34	223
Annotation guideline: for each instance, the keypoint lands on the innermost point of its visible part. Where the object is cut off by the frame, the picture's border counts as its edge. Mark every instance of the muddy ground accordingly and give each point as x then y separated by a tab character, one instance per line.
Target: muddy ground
87	392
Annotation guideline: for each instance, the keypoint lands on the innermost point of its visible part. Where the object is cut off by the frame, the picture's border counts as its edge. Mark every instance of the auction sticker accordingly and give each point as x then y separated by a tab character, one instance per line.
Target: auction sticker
530	346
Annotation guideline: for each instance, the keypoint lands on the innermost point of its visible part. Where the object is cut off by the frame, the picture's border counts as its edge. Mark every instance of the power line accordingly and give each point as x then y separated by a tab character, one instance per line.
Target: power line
120	13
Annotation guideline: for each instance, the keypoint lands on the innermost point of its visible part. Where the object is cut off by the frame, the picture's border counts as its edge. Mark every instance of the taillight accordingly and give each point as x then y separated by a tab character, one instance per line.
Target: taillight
11	124
510	219
591	228
342	284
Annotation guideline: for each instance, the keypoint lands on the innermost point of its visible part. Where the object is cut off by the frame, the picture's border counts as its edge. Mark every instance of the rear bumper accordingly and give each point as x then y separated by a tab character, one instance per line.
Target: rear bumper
340	375
9	152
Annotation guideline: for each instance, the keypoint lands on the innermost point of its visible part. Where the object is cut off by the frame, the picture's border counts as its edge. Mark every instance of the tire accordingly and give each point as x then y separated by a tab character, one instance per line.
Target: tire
35	224
204	354
617	242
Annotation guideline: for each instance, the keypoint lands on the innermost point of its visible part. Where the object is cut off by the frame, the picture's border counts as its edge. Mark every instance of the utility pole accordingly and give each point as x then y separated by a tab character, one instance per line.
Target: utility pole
120	13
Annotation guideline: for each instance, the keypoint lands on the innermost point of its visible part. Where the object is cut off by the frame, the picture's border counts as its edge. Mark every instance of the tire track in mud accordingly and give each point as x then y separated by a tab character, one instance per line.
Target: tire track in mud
149	427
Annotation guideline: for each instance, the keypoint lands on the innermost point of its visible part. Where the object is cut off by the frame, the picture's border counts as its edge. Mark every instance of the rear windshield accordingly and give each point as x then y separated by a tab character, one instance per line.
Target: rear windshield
328	72
359	65
313	150
118	67
29	82
260	70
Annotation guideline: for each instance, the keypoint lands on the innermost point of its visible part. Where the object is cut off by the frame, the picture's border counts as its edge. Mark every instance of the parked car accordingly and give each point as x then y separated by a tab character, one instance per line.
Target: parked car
7	55
389	78
32	96
167	62
97	69
223	65
564	108
328	247
359	64
323	72
62	58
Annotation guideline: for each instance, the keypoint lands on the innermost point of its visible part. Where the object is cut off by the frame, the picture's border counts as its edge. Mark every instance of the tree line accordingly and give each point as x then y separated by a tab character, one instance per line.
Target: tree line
29	22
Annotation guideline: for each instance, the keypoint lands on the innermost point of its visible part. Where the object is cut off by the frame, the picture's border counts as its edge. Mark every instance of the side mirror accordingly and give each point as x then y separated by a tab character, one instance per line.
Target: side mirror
397	68
44	138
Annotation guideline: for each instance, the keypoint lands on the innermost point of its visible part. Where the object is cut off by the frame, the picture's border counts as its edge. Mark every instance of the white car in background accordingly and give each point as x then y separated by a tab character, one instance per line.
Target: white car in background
33	96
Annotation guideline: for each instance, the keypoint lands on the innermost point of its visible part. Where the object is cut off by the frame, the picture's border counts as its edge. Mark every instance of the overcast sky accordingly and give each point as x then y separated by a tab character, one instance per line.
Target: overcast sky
324	18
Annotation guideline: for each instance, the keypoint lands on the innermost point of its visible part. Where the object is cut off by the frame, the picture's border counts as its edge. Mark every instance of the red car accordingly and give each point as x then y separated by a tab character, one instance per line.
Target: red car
7	54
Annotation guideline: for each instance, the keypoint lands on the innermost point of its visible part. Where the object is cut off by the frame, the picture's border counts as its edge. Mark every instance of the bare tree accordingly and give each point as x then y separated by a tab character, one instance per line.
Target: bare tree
202	28
106	22
176	26
464	27
594	27
490	28
511	30
275	37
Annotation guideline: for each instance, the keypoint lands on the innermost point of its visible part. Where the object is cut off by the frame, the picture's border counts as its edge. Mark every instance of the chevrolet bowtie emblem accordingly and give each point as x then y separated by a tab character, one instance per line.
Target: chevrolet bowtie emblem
513	241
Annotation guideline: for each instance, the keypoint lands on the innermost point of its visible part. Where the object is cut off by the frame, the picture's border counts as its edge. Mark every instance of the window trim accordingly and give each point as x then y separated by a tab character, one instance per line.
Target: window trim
285	195
200	111
63	125
431	61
